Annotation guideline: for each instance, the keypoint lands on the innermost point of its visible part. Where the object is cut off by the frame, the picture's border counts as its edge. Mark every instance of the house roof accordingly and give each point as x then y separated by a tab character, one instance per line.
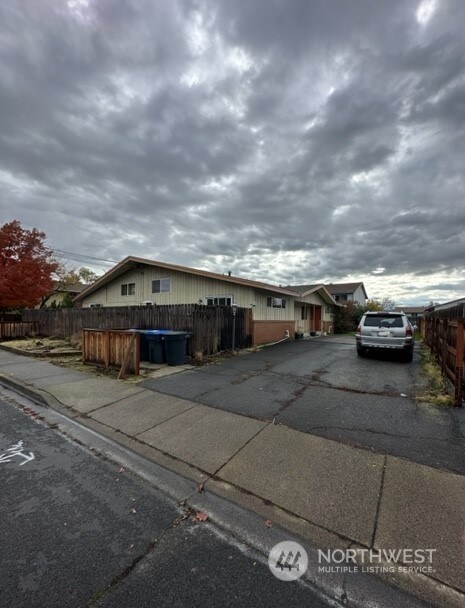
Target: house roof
305	290
131	262
410	309
69	287
340	288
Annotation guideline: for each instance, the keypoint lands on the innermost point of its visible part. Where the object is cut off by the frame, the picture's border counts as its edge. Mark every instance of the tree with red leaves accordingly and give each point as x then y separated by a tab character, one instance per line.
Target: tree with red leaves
26	267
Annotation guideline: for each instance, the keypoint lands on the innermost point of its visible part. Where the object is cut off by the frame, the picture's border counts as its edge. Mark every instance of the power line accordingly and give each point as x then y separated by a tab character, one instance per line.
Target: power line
82	257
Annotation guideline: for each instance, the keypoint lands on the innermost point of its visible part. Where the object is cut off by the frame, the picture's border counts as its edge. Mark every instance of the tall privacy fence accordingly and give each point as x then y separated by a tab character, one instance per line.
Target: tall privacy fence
211	326
443	332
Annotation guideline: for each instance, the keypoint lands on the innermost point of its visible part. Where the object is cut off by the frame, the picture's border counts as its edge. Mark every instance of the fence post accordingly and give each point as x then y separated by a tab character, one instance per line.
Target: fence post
444	332
84	346
106	348
459	363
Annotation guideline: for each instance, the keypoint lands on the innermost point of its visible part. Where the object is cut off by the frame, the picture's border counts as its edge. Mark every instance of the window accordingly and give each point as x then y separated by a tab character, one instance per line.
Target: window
161	286
304	315
128	289
219	300
383	321
275	302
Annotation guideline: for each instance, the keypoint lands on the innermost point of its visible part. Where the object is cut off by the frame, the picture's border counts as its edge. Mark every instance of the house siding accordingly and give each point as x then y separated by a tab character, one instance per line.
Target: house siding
189	289
359	296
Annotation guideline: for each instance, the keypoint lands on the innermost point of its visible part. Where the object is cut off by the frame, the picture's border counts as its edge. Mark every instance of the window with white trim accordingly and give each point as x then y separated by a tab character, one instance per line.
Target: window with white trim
219	300
275	302
161	286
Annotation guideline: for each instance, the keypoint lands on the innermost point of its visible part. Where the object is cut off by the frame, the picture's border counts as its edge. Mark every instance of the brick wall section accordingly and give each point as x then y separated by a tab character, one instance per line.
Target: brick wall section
264	332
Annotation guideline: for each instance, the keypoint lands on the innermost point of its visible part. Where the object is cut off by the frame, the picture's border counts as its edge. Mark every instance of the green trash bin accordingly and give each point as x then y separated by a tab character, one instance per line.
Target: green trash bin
175	346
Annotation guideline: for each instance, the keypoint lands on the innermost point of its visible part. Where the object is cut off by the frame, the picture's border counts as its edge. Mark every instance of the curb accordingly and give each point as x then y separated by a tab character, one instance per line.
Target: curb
39	355
34	394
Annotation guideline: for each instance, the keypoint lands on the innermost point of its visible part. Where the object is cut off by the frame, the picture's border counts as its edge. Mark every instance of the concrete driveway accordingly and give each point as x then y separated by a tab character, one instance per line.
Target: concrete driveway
320	386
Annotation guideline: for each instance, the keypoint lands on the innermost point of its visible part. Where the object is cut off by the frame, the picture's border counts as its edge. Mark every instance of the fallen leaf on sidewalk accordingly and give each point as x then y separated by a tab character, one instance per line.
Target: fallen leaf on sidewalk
121	470
201	488
31	413
268	523
133	510
201	516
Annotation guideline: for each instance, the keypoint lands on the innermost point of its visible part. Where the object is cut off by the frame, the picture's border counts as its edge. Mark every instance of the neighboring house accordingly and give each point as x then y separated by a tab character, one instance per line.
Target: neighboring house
414	313
138	281
314	309
61	293
348	292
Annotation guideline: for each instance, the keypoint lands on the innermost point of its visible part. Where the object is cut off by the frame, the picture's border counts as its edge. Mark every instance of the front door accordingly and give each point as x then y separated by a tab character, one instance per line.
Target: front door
317	318
315	323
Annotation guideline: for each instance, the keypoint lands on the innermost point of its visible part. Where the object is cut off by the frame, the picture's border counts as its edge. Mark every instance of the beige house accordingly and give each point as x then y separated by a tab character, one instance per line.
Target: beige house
314	309
138	281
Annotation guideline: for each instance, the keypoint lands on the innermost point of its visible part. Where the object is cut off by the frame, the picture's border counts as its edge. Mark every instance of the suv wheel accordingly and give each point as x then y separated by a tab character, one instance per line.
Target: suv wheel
408	355
361	352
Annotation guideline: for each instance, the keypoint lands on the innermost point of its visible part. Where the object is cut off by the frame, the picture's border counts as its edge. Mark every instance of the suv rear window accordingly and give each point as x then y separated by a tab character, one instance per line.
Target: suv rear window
383	321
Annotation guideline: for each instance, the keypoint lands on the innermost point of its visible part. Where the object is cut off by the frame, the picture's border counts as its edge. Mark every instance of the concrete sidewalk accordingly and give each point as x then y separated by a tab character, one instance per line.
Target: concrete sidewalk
335	495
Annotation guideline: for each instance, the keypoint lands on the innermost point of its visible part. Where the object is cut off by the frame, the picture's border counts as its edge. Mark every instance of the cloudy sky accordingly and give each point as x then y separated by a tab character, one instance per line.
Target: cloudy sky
290	141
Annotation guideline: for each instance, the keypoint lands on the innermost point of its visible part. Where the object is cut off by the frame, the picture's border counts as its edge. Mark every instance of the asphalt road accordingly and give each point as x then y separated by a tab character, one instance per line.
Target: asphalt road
321	386
79	531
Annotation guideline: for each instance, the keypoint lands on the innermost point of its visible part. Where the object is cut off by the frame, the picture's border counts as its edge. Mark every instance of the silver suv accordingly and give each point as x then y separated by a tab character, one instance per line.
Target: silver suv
383	331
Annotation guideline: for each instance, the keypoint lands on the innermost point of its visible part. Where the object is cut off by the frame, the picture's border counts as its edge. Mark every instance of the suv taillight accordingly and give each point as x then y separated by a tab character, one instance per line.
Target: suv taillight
408	331
359	328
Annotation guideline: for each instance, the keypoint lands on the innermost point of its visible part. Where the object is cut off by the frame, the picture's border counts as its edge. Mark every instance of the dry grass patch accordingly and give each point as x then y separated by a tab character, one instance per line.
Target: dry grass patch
437	390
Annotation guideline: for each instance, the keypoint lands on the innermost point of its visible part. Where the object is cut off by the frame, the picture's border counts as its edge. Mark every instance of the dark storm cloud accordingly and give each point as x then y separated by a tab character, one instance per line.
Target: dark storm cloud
289	141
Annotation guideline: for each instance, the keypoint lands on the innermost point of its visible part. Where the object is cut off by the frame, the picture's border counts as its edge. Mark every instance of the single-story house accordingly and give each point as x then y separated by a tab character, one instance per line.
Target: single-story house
348	292
276	311
314	309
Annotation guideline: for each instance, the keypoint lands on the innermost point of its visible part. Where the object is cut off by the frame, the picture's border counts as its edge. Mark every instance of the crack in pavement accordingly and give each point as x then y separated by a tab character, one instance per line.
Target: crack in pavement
316	382
254	373
186	513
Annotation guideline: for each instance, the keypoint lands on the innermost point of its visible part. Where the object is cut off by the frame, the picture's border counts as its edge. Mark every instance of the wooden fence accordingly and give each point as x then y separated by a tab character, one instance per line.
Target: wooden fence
12	331
211	326
112	348
445	338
